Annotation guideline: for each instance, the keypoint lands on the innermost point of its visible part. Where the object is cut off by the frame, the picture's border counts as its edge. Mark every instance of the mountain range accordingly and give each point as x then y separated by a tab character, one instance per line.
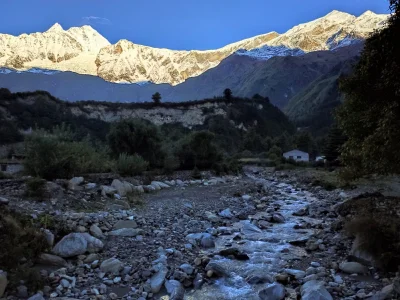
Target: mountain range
292	69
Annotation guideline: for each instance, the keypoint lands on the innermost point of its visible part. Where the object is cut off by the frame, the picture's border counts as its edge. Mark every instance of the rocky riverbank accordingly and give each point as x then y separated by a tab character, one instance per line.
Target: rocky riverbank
261	235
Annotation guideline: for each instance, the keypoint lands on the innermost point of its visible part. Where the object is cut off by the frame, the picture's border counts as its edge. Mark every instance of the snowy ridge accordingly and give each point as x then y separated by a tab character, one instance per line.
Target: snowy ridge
267	52
84	51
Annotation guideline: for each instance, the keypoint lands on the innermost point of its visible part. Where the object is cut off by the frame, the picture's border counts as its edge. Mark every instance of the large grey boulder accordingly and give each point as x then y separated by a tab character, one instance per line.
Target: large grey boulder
111	265
274	291
160	184
175	289
108	191
314	290
126	232
74	183
3	282
123	187
75	244
157	280
353	268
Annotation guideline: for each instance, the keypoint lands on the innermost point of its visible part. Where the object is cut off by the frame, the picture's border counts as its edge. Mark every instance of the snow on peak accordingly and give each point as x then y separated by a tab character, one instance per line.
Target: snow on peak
55	28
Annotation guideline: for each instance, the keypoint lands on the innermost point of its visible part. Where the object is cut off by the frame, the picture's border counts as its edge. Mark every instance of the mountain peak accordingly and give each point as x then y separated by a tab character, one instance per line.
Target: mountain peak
55	28
337	14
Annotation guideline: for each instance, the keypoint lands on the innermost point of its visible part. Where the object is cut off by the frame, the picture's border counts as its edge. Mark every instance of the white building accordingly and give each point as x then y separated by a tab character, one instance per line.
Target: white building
297	155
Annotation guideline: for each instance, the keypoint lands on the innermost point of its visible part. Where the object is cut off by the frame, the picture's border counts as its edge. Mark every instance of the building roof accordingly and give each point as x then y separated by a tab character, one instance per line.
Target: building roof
295	150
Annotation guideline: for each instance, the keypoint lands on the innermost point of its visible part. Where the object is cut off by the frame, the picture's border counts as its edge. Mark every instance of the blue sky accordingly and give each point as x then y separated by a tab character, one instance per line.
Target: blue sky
175	24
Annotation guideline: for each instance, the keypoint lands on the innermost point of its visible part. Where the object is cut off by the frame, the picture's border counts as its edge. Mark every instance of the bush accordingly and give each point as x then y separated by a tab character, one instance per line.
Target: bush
198	150
4	176
130	165
283	167
136	136
36	188
171	163
51	156
196	174
247	154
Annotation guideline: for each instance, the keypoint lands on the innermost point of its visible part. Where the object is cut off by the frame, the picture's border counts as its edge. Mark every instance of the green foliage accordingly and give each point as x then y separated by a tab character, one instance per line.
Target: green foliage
228	94
370	115
284	167
19	239
136	136
4	176
156	98
130	165
335	141
198	150
9	132
275	150
53	156
171	163
36	188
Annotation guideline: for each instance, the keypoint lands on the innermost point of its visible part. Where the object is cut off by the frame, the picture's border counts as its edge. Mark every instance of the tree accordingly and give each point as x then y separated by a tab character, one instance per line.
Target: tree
228	94
334	143
136	137
370	114
156	98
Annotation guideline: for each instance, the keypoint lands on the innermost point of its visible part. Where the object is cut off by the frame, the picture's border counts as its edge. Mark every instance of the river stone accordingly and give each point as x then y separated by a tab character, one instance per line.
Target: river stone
155	185
218	268
127	232
249	228
175	289
123	187
298	274
149	188
96	231
160	184
49	236
91	258
71	245
111	265
157	280
3	282
226	213
353	267
125	224
275	291
51	260
107	190
188	269
138	189
207	241
75	244
278	218
211	217
73	184
314	290
38	296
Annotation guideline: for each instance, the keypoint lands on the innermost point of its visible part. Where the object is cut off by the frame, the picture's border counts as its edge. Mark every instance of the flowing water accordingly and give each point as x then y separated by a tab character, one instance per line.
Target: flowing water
268	249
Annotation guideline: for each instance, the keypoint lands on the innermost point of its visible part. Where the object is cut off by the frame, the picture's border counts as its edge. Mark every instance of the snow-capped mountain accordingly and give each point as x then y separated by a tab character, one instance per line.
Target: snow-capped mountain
84	51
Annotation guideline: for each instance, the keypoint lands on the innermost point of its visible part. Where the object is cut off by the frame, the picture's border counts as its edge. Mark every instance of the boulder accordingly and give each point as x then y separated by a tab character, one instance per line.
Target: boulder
175	289
155	185
298	274
353	268
108	191
207	241
38	296
211	216
138	189
274	291
278	218
96	231
3	282
74	183
250	228
226	213
314	290
51	260
122	187
157	280
111	265
49	236
161	184
125	224
127	232
149	188
75	244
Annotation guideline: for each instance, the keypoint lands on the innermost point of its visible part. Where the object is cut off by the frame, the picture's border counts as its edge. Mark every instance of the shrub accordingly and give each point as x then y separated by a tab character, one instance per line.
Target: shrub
36	188
282	167
247	154
51	156
171	163
4	176
130	165
136	136
198	150
19	239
